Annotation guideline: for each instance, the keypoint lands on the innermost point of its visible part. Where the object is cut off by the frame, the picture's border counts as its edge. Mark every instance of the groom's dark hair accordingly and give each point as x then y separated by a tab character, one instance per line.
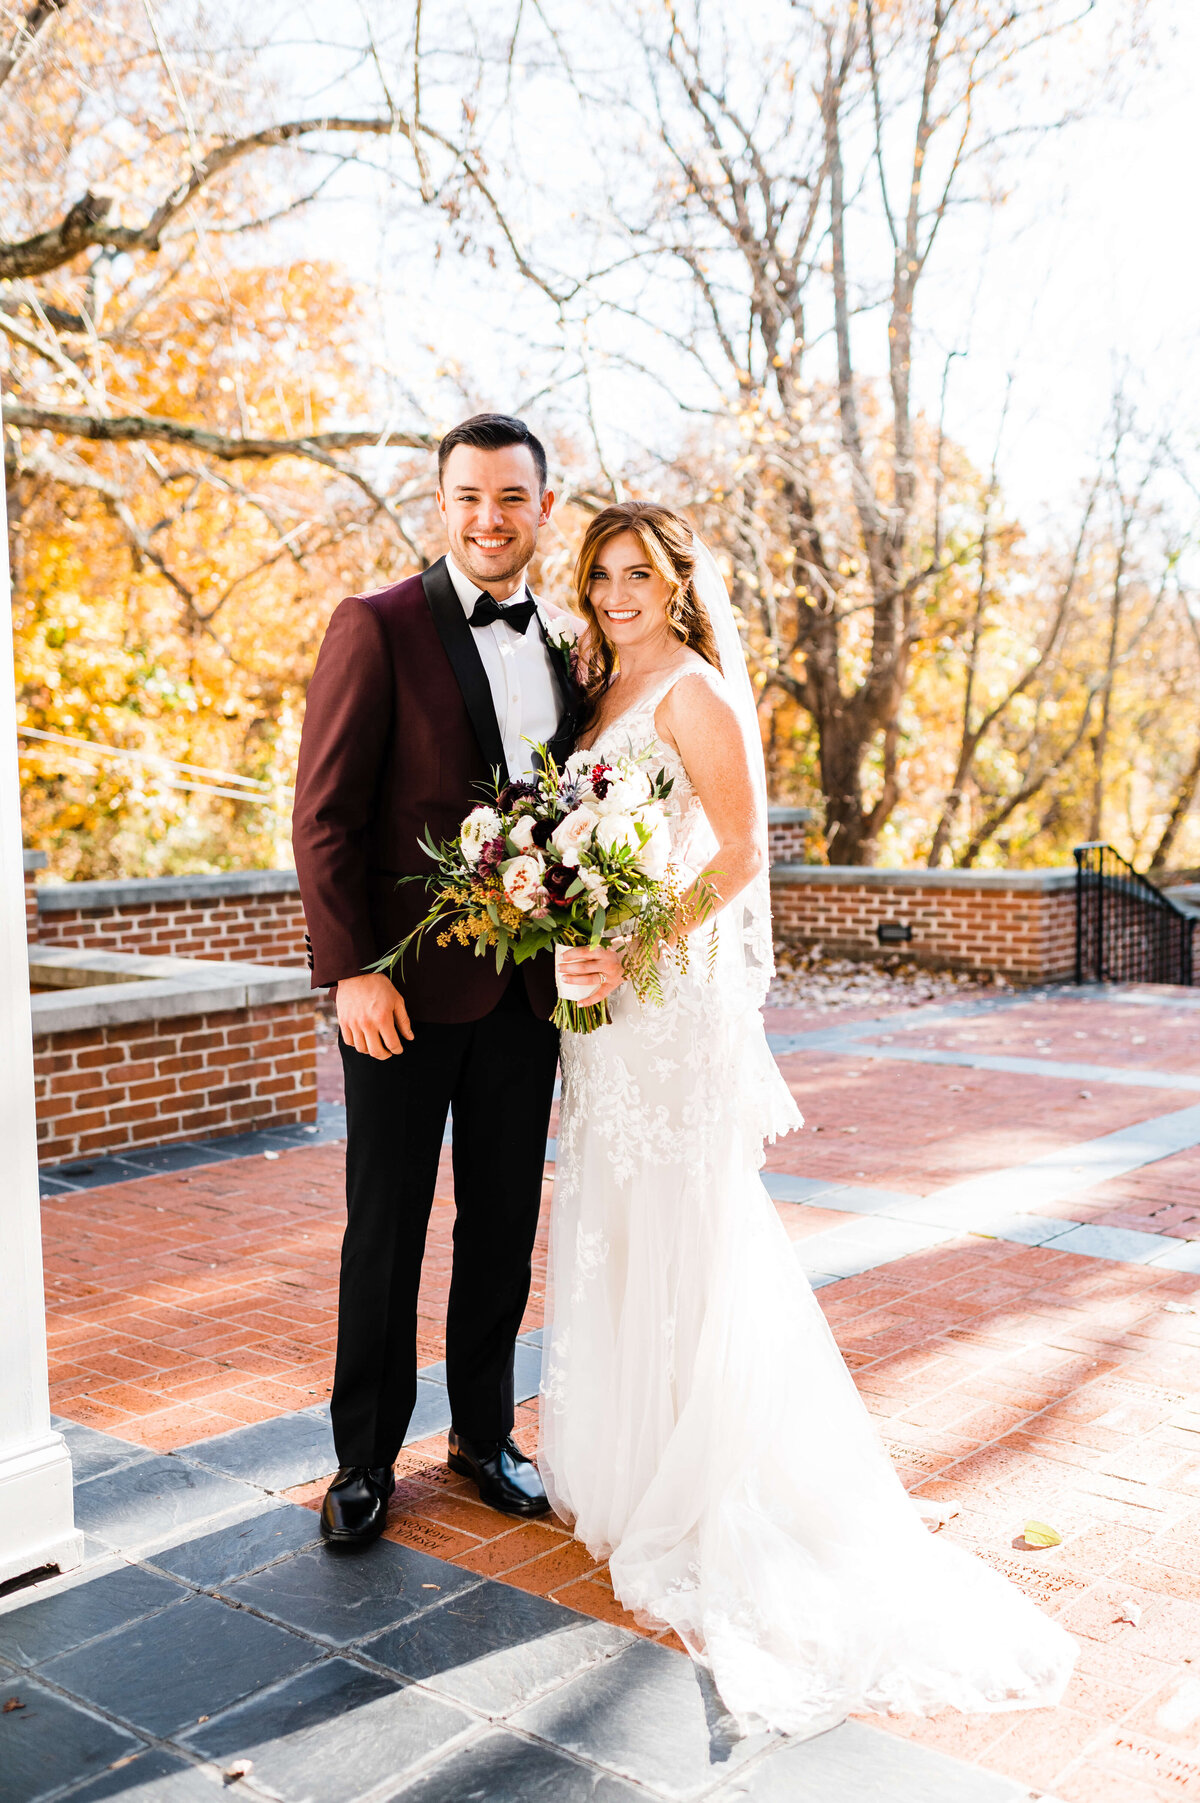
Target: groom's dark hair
492	432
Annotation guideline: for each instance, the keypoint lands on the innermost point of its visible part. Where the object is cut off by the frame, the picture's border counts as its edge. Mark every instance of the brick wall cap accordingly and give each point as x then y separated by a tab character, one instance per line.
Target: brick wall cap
850	876
144	988
60	897
33	860
789	816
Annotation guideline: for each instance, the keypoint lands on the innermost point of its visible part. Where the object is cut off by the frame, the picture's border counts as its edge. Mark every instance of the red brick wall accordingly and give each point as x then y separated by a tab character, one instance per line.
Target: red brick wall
259	929
787	841
106	1089
1027	934
31	908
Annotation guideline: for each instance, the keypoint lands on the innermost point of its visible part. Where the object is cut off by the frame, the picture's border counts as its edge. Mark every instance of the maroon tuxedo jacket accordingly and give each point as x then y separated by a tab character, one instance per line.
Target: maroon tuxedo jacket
400	735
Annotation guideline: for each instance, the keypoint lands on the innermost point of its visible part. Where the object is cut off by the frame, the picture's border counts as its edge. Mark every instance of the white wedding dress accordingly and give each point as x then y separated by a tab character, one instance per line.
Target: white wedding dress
698	1426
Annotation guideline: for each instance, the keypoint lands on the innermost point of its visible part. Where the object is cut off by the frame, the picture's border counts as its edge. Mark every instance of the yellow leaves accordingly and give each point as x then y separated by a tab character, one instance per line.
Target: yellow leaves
1036	1533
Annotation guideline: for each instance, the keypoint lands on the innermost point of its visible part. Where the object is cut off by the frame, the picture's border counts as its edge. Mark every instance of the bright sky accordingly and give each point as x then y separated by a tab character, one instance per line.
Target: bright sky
1096	271
1089	272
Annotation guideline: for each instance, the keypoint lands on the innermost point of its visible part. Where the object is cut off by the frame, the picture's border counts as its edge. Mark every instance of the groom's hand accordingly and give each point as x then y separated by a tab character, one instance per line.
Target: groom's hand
372	1015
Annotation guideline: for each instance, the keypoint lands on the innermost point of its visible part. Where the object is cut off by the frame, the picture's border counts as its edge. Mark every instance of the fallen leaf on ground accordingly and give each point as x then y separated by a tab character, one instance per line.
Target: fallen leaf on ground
270	1155
1130	1612
1036	1533
935	1515
13	1703
241	1768
1179	1308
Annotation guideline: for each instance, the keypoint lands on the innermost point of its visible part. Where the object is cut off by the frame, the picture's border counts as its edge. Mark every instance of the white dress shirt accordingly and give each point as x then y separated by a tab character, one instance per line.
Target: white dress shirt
520	676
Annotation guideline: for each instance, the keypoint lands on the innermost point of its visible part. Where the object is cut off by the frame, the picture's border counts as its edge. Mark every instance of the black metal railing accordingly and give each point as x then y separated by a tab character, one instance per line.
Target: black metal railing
1127	930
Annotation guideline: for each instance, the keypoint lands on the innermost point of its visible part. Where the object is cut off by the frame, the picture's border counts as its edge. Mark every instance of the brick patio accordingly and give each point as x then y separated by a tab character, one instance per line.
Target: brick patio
1011	1380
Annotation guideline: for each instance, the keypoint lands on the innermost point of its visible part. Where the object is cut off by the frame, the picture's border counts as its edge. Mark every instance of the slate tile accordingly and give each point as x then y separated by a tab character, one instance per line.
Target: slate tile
161	1674
495	1647
1123	1243
527	1371
59	1623
216	1559
145	1502
51	1742
532	1338
334	1733
184	1156
96	1173
342	1596
92	1453
503	1769
858	1764
781	1186
861	1245
649	1716
152	1777
431	1414
1023	1229
1180	1255
275	1454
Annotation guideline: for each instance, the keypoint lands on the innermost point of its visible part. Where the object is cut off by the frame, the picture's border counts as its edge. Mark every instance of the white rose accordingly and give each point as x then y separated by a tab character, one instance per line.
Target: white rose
628	788
630	771
596	888
480	825
563	630
616	832
571	835
522	878
651	860
522	833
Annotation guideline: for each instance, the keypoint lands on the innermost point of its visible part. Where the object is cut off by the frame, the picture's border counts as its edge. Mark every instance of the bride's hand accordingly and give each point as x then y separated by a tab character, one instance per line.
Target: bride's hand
603	963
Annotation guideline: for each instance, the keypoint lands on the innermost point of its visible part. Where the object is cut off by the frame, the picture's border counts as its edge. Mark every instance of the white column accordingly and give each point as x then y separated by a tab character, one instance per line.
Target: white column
37	1518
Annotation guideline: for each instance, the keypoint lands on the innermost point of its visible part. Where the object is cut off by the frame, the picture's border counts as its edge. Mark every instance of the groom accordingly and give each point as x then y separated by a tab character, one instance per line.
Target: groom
420	692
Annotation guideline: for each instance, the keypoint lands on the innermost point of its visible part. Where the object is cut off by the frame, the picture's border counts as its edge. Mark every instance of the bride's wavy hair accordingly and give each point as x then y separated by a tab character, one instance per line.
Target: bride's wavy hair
666	539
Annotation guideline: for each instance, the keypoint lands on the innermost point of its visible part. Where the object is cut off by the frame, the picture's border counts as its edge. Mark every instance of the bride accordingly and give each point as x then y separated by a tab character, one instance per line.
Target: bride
698	1426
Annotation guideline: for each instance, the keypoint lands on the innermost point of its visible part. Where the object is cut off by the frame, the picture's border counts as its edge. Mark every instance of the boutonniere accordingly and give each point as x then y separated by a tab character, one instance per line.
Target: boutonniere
563	632
562	636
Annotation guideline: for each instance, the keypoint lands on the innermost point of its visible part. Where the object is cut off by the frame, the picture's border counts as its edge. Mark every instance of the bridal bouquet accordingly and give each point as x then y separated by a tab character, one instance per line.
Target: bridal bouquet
570	857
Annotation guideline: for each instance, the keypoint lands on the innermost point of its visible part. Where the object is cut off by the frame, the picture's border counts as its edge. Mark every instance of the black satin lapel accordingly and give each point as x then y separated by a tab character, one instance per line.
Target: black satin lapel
458	642
564	687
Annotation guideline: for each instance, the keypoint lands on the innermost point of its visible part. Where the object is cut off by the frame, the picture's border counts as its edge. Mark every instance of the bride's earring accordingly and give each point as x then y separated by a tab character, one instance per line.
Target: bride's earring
675	617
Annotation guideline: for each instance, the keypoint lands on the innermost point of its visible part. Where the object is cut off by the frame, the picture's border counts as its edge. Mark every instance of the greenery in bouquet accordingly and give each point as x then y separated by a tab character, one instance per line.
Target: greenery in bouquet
570	856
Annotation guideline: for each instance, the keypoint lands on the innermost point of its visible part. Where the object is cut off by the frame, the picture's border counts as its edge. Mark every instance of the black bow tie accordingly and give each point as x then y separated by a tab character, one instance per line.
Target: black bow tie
487	609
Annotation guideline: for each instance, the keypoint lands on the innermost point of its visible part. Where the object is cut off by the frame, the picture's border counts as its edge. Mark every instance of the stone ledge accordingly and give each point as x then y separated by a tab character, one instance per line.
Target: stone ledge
974	882
141	988
33	860
54	898
790	816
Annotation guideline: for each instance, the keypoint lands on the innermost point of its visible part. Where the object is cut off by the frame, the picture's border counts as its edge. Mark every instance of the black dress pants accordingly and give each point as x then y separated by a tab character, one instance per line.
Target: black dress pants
498	1076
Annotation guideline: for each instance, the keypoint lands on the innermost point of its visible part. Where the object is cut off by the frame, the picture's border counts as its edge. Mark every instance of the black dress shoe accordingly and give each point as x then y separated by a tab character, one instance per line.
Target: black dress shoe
355	1508
507	1480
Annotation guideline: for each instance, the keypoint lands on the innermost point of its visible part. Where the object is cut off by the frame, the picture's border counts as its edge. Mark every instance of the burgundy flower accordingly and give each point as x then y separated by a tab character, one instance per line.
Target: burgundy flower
514	792
541	832
557	881
599	780
491	857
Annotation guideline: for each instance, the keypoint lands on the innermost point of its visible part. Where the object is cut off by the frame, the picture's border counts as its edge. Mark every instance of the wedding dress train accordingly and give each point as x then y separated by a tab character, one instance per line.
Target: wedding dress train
699	1428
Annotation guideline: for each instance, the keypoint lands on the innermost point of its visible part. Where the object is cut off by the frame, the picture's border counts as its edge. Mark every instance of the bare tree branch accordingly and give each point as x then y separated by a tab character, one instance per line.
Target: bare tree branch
85	224
27	33
136	427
